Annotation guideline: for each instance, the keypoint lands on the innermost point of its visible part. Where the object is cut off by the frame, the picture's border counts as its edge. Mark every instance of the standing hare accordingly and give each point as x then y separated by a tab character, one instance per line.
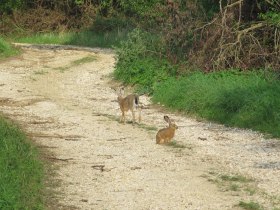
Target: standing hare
166	134
130	102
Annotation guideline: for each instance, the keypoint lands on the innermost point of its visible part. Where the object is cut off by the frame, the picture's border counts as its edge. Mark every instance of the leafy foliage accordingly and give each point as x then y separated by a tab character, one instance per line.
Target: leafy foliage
137	64
272	18
7	6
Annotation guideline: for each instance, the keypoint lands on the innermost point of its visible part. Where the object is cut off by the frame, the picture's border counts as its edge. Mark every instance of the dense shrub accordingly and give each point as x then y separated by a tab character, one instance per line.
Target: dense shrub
138	65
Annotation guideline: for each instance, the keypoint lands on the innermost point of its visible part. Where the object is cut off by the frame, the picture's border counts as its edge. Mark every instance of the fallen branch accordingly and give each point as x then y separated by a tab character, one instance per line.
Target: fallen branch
251	28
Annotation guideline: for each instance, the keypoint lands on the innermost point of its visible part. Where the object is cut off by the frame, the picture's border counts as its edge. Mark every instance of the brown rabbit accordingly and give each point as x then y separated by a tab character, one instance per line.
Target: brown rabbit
127	103
166	134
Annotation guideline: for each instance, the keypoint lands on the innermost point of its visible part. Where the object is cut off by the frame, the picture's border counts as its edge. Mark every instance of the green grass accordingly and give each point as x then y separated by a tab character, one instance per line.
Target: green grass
93	39
83	60
84	38
147	127
234	187
6	49
176	144
62	69
234	178
236	183
250	190
46	38
250	205
21	171
246	100
86	59
40	72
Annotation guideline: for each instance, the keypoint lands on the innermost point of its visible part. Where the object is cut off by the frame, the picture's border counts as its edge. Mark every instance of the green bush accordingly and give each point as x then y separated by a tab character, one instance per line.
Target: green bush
144	73
21	171
246	100
137	64
133	48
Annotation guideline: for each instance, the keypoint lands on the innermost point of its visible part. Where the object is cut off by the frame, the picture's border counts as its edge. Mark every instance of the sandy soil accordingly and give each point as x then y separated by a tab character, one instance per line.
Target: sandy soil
67	105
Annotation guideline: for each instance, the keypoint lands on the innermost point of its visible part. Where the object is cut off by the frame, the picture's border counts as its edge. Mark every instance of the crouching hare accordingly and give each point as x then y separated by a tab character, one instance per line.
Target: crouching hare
130	102
166	134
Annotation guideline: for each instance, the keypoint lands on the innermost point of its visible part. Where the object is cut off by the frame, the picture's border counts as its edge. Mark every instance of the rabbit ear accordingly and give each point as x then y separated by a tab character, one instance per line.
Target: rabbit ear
166	118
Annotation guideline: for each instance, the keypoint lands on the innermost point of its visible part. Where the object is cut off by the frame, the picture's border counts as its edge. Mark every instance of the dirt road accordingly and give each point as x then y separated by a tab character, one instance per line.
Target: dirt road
63	98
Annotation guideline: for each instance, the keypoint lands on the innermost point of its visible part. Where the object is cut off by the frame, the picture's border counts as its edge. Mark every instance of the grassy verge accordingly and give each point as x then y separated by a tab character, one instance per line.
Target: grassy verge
246	100
84	38
21	171
6	49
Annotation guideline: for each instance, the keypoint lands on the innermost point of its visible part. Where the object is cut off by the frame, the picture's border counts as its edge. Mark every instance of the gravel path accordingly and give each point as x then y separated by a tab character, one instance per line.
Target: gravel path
63	98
